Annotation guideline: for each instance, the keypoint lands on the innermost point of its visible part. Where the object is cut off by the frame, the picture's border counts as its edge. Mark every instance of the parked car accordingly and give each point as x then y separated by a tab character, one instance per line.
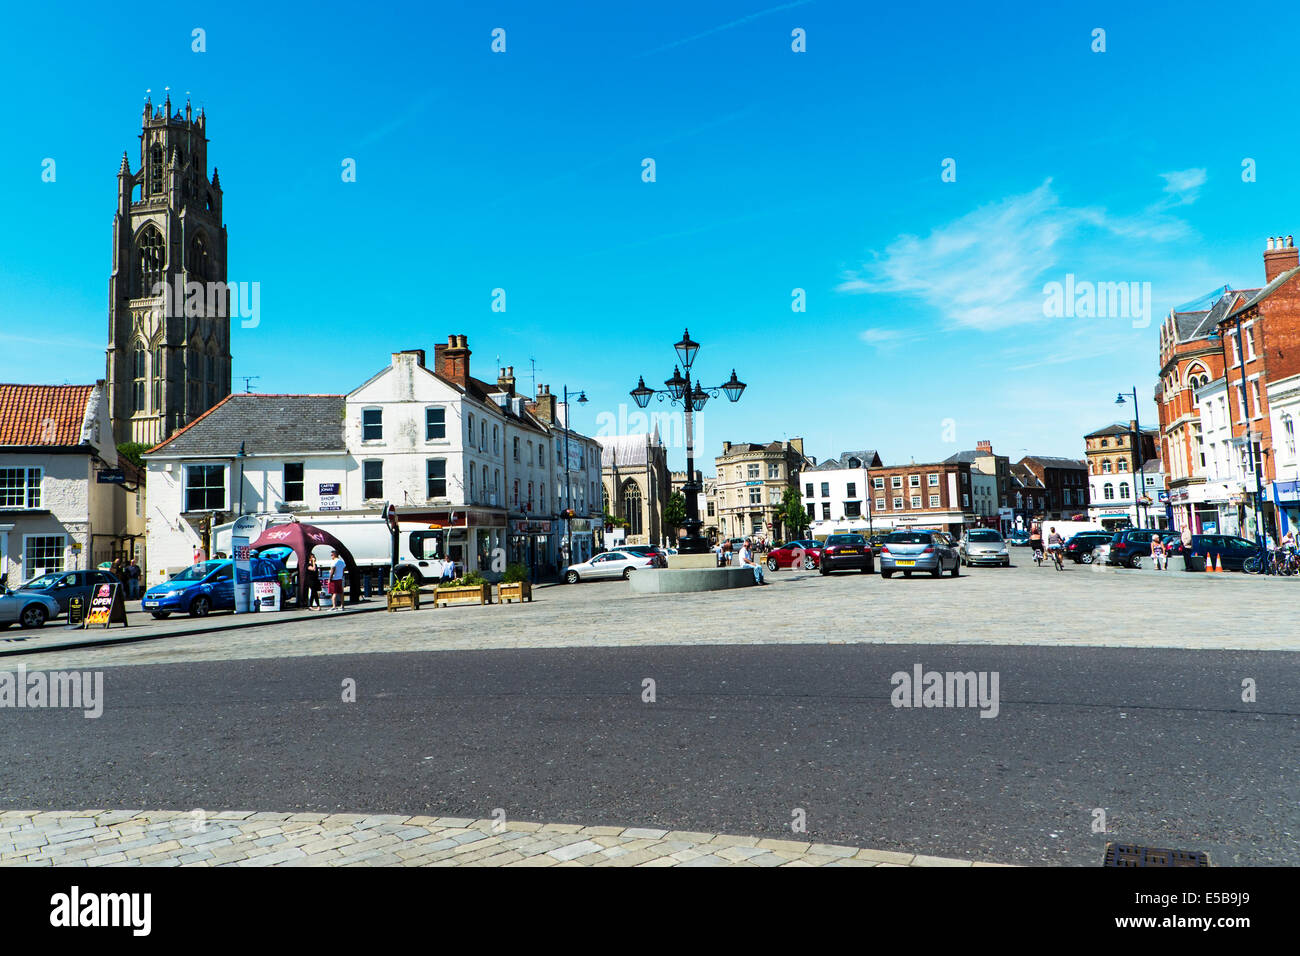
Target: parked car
1231	550
608	564
204	587
1019	538
806	552
983	546
1081	547
1129	547
847	552
658	554
63	586
26	608
909	551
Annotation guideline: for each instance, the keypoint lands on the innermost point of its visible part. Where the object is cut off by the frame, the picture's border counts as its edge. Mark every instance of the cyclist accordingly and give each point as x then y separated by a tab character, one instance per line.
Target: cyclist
1036	541
1056	544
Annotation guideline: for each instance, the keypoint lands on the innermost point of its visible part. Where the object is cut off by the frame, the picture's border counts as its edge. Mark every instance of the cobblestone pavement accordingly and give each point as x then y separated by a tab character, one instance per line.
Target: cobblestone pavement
168	838
1021	605
1080	606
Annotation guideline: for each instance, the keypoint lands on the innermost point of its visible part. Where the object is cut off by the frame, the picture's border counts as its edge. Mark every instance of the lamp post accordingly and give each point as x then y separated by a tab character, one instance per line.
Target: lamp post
1139	481
681	390
1255	466
241	477
568	483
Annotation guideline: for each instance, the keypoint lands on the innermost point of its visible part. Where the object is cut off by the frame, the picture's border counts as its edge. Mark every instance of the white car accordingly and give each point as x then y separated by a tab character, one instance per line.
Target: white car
609	564
26	608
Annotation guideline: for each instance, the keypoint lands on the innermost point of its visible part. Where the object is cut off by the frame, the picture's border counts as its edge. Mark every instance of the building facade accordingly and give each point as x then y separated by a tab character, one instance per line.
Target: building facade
935	496
168	356
983	458
1065	481
751	482
635	485
1114	455
67	501
837	495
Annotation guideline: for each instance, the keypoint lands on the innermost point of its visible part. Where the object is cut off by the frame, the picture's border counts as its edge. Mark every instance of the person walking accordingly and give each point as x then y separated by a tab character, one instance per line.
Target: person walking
1158	556
747	561
133	575
337	569
313	583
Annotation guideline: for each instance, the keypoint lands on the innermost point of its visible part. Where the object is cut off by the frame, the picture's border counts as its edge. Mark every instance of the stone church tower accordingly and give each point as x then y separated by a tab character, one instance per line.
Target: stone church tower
168	306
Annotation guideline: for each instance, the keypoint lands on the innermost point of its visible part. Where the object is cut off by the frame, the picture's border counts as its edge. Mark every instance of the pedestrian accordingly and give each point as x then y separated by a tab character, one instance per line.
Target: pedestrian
1158	556
337	567
1187	538
133	574
747	561
313	583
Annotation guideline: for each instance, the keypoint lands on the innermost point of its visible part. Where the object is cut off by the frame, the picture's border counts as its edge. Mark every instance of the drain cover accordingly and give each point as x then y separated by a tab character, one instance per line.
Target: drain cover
1129	854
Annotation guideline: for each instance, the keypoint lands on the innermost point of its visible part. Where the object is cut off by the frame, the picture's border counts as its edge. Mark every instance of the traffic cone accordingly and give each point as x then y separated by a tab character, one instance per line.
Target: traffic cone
1218	568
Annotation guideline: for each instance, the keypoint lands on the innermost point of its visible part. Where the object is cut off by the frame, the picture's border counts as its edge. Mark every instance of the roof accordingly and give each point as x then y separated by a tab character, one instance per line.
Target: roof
869	457
1024	477
1048	461
624	451
1200	323
1119	428
968	456
1264	293
263	424
44	414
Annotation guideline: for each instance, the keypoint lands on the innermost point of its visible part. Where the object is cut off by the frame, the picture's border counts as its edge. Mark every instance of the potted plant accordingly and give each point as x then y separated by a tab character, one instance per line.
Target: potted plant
471	588
515	585
404	593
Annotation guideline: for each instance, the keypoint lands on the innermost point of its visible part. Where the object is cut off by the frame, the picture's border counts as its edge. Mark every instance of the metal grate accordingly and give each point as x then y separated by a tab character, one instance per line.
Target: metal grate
1129	854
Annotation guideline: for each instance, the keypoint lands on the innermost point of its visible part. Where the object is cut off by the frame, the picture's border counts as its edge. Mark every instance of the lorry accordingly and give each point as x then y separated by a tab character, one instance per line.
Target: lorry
421	548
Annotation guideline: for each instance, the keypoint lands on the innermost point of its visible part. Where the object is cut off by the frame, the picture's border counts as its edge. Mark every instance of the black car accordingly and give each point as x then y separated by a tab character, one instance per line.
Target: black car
63	586
1129	547
1230	550
1079	547
847	552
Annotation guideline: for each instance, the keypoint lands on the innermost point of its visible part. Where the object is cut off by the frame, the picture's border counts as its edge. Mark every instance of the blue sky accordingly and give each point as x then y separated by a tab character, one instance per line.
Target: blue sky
775	170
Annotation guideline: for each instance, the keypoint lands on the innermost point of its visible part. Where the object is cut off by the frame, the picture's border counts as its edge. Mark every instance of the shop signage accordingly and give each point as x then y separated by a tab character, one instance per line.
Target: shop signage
530	527
1288	491
106	607
110	476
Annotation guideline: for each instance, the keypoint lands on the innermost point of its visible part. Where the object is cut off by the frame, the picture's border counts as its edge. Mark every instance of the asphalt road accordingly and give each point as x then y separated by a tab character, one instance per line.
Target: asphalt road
737	739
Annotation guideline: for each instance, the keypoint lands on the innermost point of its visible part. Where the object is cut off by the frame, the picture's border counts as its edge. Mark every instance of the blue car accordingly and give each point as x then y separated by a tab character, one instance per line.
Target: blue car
205	587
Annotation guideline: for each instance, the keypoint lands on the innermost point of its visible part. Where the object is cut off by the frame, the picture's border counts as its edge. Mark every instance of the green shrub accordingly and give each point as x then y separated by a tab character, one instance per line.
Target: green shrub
515	573
404	585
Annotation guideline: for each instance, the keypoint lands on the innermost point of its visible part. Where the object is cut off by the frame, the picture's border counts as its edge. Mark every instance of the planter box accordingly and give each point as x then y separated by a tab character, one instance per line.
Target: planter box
520	591
472	594
401	599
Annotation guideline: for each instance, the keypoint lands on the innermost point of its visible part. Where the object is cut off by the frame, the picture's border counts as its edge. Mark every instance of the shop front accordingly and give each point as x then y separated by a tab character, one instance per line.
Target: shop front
1286	501
531	544
581	531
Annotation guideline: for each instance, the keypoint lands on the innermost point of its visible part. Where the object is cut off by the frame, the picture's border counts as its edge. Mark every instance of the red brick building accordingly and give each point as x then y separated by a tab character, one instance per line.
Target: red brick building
923	496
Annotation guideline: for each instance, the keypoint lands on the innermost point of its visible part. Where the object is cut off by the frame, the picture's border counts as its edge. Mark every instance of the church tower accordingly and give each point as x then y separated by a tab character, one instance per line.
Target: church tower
168	306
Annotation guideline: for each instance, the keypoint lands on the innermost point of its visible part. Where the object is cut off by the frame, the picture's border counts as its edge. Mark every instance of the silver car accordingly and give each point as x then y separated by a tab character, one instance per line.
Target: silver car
610	564
983	546
26	608
909	551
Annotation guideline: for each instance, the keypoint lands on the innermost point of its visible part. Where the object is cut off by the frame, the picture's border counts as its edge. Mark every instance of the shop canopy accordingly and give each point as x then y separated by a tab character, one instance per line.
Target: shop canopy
302	539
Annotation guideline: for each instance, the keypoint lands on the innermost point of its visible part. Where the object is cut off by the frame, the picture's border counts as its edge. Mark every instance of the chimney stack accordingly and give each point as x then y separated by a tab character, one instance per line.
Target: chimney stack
984	446
418	354
453	359
506	380
1279	256
545	406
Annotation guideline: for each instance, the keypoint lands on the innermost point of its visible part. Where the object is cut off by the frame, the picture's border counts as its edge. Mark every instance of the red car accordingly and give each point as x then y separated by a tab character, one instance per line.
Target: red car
806	554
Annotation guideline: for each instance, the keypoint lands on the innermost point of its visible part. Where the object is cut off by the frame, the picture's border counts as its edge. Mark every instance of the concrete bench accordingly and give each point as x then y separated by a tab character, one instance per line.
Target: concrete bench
683	580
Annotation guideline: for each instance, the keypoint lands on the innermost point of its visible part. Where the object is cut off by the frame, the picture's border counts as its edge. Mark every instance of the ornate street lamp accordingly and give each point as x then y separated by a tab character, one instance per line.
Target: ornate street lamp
1140	479
568	483
680	390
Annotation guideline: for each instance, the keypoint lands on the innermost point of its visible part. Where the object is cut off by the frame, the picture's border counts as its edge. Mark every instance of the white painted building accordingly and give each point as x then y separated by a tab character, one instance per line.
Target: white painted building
476	461
1114	497
837	494
984	493
1284	414
66	501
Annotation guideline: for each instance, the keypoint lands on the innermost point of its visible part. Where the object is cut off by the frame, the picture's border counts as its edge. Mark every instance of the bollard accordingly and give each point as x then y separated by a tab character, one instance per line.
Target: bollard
365	584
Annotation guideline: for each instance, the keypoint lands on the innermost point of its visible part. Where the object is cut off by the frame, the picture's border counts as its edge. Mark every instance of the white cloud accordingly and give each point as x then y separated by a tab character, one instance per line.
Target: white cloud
1184	185
983	270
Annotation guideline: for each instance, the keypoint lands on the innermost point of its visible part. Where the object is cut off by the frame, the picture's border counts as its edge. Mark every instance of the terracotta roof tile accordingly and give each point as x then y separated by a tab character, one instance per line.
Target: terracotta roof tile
42	414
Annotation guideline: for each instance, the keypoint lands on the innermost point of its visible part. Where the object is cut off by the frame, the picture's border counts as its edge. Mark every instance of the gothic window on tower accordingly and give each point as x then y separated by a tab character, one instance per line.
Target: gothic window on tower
210	376
157	379
139	367
199	258
194	373
151	260
155	171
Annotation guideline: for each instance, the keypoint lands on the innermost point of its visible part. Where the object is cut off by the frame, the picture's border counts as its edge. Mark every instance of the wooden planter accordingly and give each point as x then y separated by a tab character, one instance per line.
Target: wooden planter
401	599
469	594
520	591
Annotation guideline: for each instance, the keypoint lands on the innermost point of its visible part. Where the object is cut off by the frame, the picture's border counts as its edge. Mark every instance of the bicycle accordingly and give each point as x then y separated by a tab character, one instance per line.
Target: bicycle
1261	562
1038	556
1058	557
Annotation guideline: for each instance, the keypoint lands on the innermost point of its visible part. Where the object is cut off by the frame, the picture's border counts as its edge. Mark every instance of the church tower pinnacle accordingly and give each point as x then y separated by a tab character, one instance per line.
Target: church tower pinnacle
168	352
